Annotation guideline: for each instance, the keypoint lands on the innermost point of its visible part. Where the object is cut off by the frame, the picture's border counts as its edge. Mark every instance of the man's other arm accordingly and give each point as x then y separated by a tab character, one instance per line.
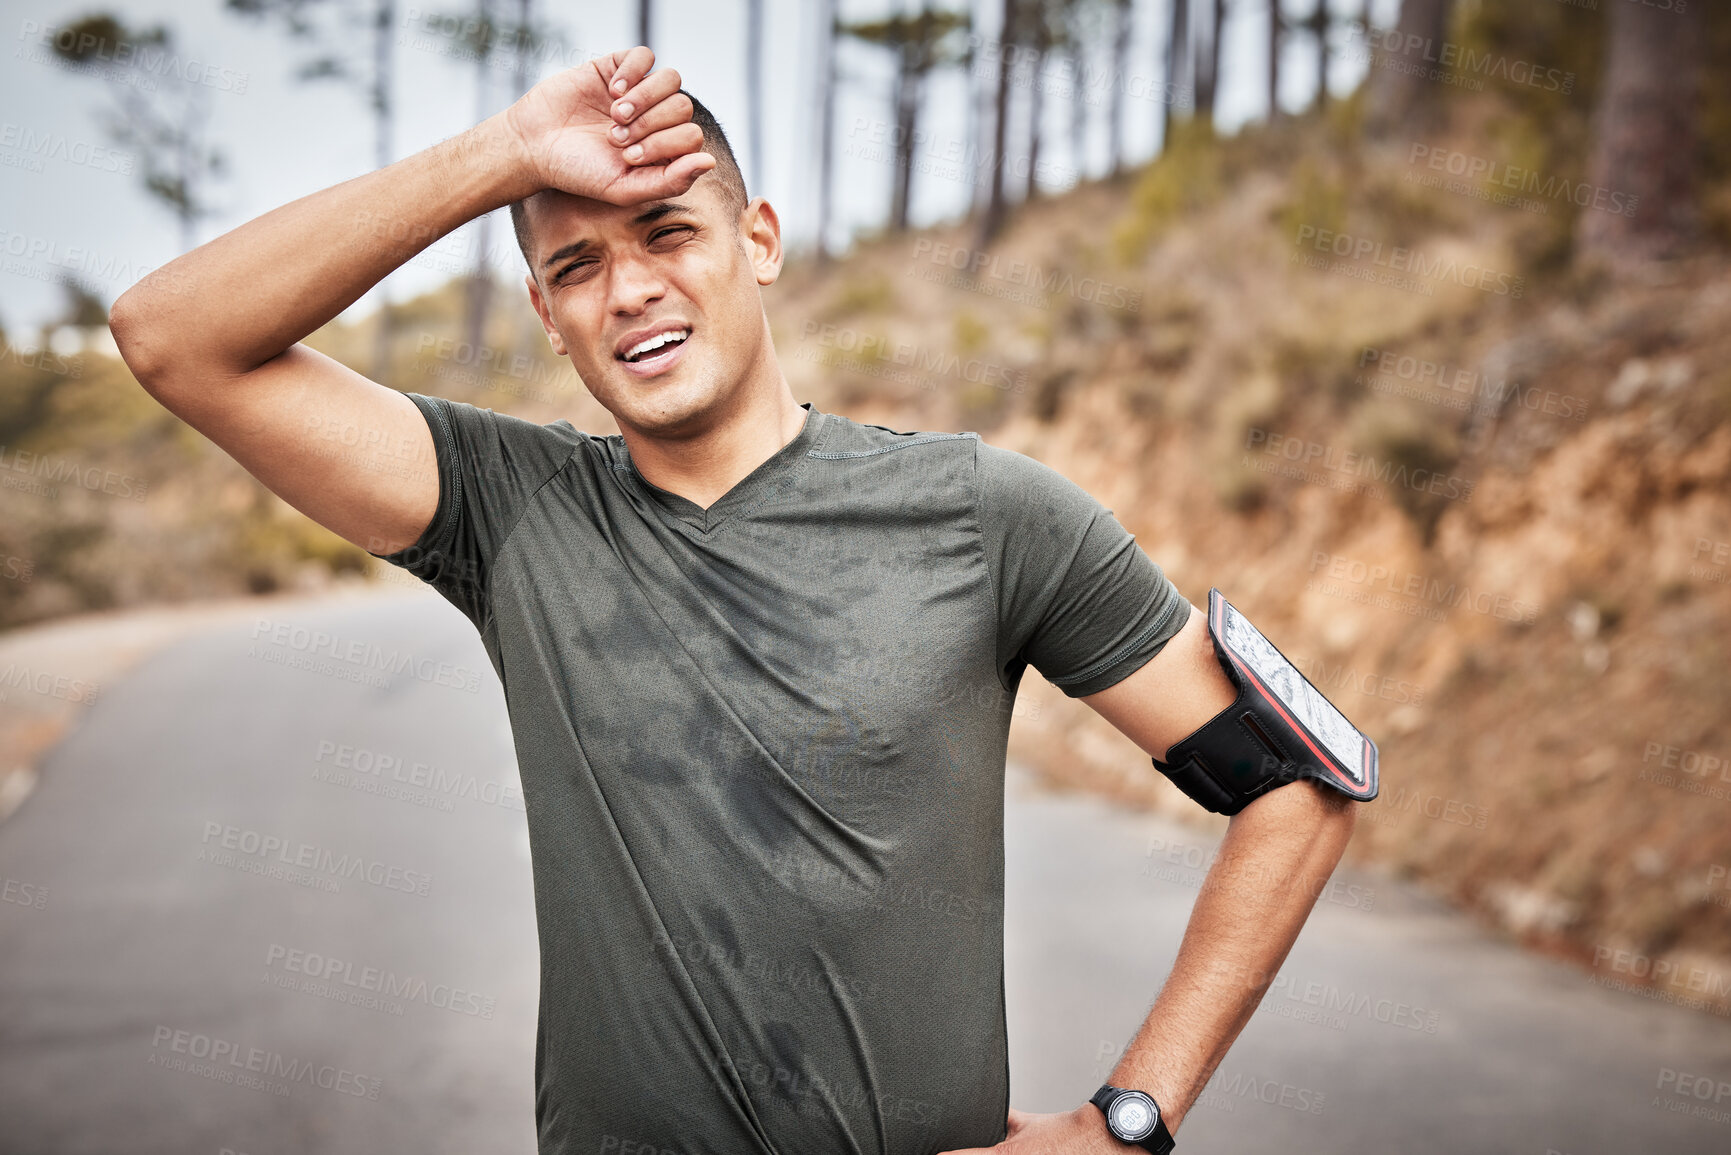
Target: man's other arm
214	335
1275	859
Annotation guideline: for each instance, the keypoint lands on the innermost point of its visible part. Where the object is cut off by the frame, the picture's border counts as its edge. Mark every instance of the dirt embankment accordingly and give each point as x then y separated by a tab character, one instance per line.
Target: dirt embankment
1486	508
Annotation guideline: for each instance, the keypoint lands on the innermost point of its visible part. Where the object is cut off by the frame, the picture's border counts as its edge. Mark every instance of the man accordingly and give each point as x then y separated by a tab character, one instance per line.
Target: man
757	658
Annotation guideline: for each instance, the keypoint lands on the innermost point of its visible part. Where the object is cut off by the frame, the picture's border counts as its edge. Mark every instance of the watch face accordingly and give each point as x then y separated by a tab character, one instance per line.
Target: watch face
1133	1116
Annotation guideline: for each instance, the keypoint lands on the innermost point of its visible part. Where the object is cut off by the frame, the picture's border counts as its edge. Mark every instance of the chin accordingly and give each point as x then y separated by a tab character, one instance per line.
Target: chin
666	404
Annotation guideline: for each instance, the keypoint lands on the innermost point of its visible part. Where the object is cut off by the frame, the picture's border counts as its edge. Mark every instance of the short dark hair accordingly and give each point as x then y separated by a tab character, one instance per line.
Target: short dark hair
726	170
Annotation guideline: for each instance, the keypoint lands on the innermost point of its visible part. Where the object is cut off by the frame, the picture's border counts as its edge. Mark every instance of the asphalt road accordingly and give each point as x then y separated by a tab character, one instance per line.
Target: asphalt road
160	993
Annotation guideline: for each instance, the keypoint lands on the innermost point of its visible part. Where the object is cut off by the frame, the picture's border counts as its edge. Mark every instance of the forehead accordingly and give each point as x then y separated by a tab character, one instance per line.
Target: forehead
555	219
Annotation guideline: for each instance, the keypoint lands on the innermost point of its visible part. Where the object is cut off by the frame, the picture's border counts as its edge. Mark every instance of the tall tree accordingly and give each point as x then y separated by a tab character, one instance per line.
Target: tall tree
328	27
754	89
1207	48
156	112
1276	22
1177	63
1646	136
1009	30
479	294
496	43
827	29
1041	14
1076	40
1400	101
1122	14
1317	25
922	42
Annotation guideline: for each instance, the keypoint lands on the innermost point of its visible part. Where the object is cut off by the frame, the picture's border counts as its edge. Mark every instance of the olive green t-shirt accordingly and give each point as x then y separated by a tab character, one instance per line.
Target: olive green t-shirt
762	752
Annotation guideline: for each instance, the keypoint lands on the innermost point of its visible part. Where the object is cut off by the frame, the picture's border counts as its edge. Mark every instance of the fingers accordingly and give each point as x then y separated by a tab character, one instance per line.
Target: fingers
675	110
628	68
644	93
667	145
659	182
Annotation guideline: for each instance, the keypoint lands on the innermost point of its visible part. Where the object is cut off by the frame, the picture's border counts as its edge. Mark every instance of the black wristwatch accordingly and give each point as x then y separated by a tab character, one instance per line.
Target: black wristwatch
1134	1117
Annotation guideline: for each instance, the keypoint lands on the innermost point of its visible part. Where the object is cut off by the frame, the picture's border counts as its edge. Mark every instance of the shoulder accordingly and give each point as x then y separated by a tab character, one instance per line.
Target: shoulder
845	439
462	413
480	431
1014	480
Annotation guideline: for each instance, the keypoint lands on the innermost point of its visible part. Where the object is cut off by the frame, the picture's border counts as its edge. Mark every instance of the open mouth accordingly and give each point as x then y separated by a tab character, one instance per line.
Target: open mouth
653	348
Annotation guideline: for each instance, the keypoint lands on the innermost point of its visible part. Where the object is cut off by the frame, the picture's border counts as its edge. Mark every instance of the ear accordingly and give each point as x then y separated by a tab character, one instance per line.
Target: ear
761	228
540	304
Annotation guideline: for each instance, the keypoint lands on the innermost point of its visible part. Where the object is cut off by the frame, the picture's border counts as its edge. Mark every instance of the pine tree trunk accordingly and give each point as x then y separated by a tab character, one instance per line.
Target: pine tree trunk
1036	102
1319	32
1274	37
754	90
383	74
480	287
1177	56
1121	14
1646	136
992	221
1078	104
826	131
1214	58
907	102
1402	101
1205	58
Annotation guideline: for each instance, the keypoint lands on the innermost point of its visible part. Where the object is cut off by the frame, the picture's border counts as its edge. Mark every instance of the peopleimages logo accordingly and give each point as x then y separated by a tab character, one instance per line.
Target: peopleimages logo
1410	376
1524	180
1429	593
1398	259
1452	63
229	1062
978	267
1363	465
845	348
148	59
30	148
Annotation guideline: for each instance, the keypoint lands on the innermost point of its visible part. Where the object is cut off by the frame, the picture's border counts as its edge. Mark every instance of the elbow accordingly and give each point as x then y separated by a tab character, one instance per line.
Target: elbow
130	321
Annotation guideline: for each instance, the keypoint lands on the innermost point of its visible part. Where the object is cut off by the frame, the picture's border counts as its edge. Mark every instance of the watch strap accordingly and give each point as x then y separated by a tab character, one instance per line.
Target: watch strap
1159	1140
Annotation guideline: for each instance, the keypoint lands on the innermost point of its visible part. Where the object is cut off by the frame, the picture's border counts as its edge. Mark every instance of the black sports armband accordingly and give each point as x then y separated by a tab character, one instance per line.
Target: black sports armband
1279	729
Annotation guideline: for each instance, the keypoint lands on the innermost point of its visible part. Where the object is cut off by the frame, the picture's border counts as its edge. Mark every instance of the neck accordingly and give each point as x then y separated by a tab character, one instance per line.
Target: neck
748	430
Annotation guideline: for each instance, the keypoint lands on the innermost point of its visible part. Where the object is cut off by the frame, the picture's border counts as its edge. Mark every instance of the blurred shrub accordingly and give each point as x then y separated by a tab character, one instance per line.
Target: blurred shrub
1187	176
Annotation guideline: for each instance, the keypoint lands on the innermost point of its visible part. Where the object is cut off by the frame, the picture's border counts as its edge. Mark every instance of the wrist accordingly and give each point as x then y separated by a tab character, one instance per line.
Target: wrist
1132	1118
502	154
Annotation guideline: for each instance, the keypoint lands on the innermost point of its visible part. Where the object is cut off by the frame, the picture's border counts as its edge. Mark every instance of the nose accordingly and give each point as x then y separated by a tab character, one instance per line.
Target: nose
634	284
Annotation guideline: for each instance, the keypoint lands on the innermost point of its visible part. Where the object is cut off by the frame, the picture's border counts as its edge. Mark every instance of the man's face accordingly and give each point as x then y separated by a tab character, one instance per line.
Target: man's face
657	303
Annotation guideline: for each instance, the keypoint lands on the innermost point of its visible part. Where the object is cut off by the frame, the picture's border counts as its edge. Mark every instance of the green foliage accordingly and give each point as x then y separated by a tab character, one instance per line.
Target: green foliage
98	39
1563	45
1319	199
1411	438
969	332
927	39
857	295
1186	178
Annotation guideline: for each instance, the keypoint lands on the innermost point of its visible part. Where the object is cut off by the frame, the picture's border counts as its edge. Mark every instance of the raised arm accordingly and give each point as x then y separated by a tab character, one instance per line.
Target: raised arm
214	335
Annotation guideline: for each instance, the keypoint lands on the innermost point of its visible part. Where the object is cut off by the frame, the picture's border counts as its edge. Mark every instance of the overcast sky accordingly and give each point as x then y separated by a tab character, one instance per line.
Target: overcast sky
64	206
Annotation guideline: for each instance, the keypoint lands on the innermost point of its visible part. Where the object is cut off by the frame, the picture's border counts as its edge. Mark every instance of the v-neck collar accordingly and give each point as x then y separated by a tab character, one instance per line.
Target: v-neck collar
748	492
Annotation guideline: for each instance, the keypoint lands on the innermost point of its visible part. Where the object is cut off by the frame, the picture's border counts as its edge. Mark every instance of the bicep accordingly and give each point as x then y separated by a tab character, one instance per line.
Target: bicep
354	456
1172	694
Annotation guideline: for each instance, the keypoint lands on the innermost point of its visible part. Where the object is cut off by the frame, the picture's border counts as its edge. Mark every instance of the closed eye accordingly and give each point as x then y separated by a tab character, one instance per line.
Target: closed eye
588	262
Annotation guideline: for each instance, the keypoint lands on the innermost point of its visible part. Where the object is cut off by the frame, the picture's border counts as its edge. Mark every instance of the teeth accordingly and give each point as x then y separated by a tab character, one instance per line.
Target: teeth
656	342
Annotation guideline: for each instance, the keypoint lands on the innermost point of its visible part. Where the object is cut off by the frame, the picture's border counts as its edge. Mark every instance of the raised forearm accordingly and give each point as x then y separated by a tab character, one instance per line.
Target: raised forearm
1275	859
234	303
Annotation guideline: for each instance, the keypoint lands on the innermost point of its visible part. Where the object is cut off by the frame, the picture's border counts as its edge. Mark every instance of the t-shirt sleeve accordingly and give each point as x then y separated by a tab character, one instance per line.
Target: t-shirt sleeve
1078	599
489	466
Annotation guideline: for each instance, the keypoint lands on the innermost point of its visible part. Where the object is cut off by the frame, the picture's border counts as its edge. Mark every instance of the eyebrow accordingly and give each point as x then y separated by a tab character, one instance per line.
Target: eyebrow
648	216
